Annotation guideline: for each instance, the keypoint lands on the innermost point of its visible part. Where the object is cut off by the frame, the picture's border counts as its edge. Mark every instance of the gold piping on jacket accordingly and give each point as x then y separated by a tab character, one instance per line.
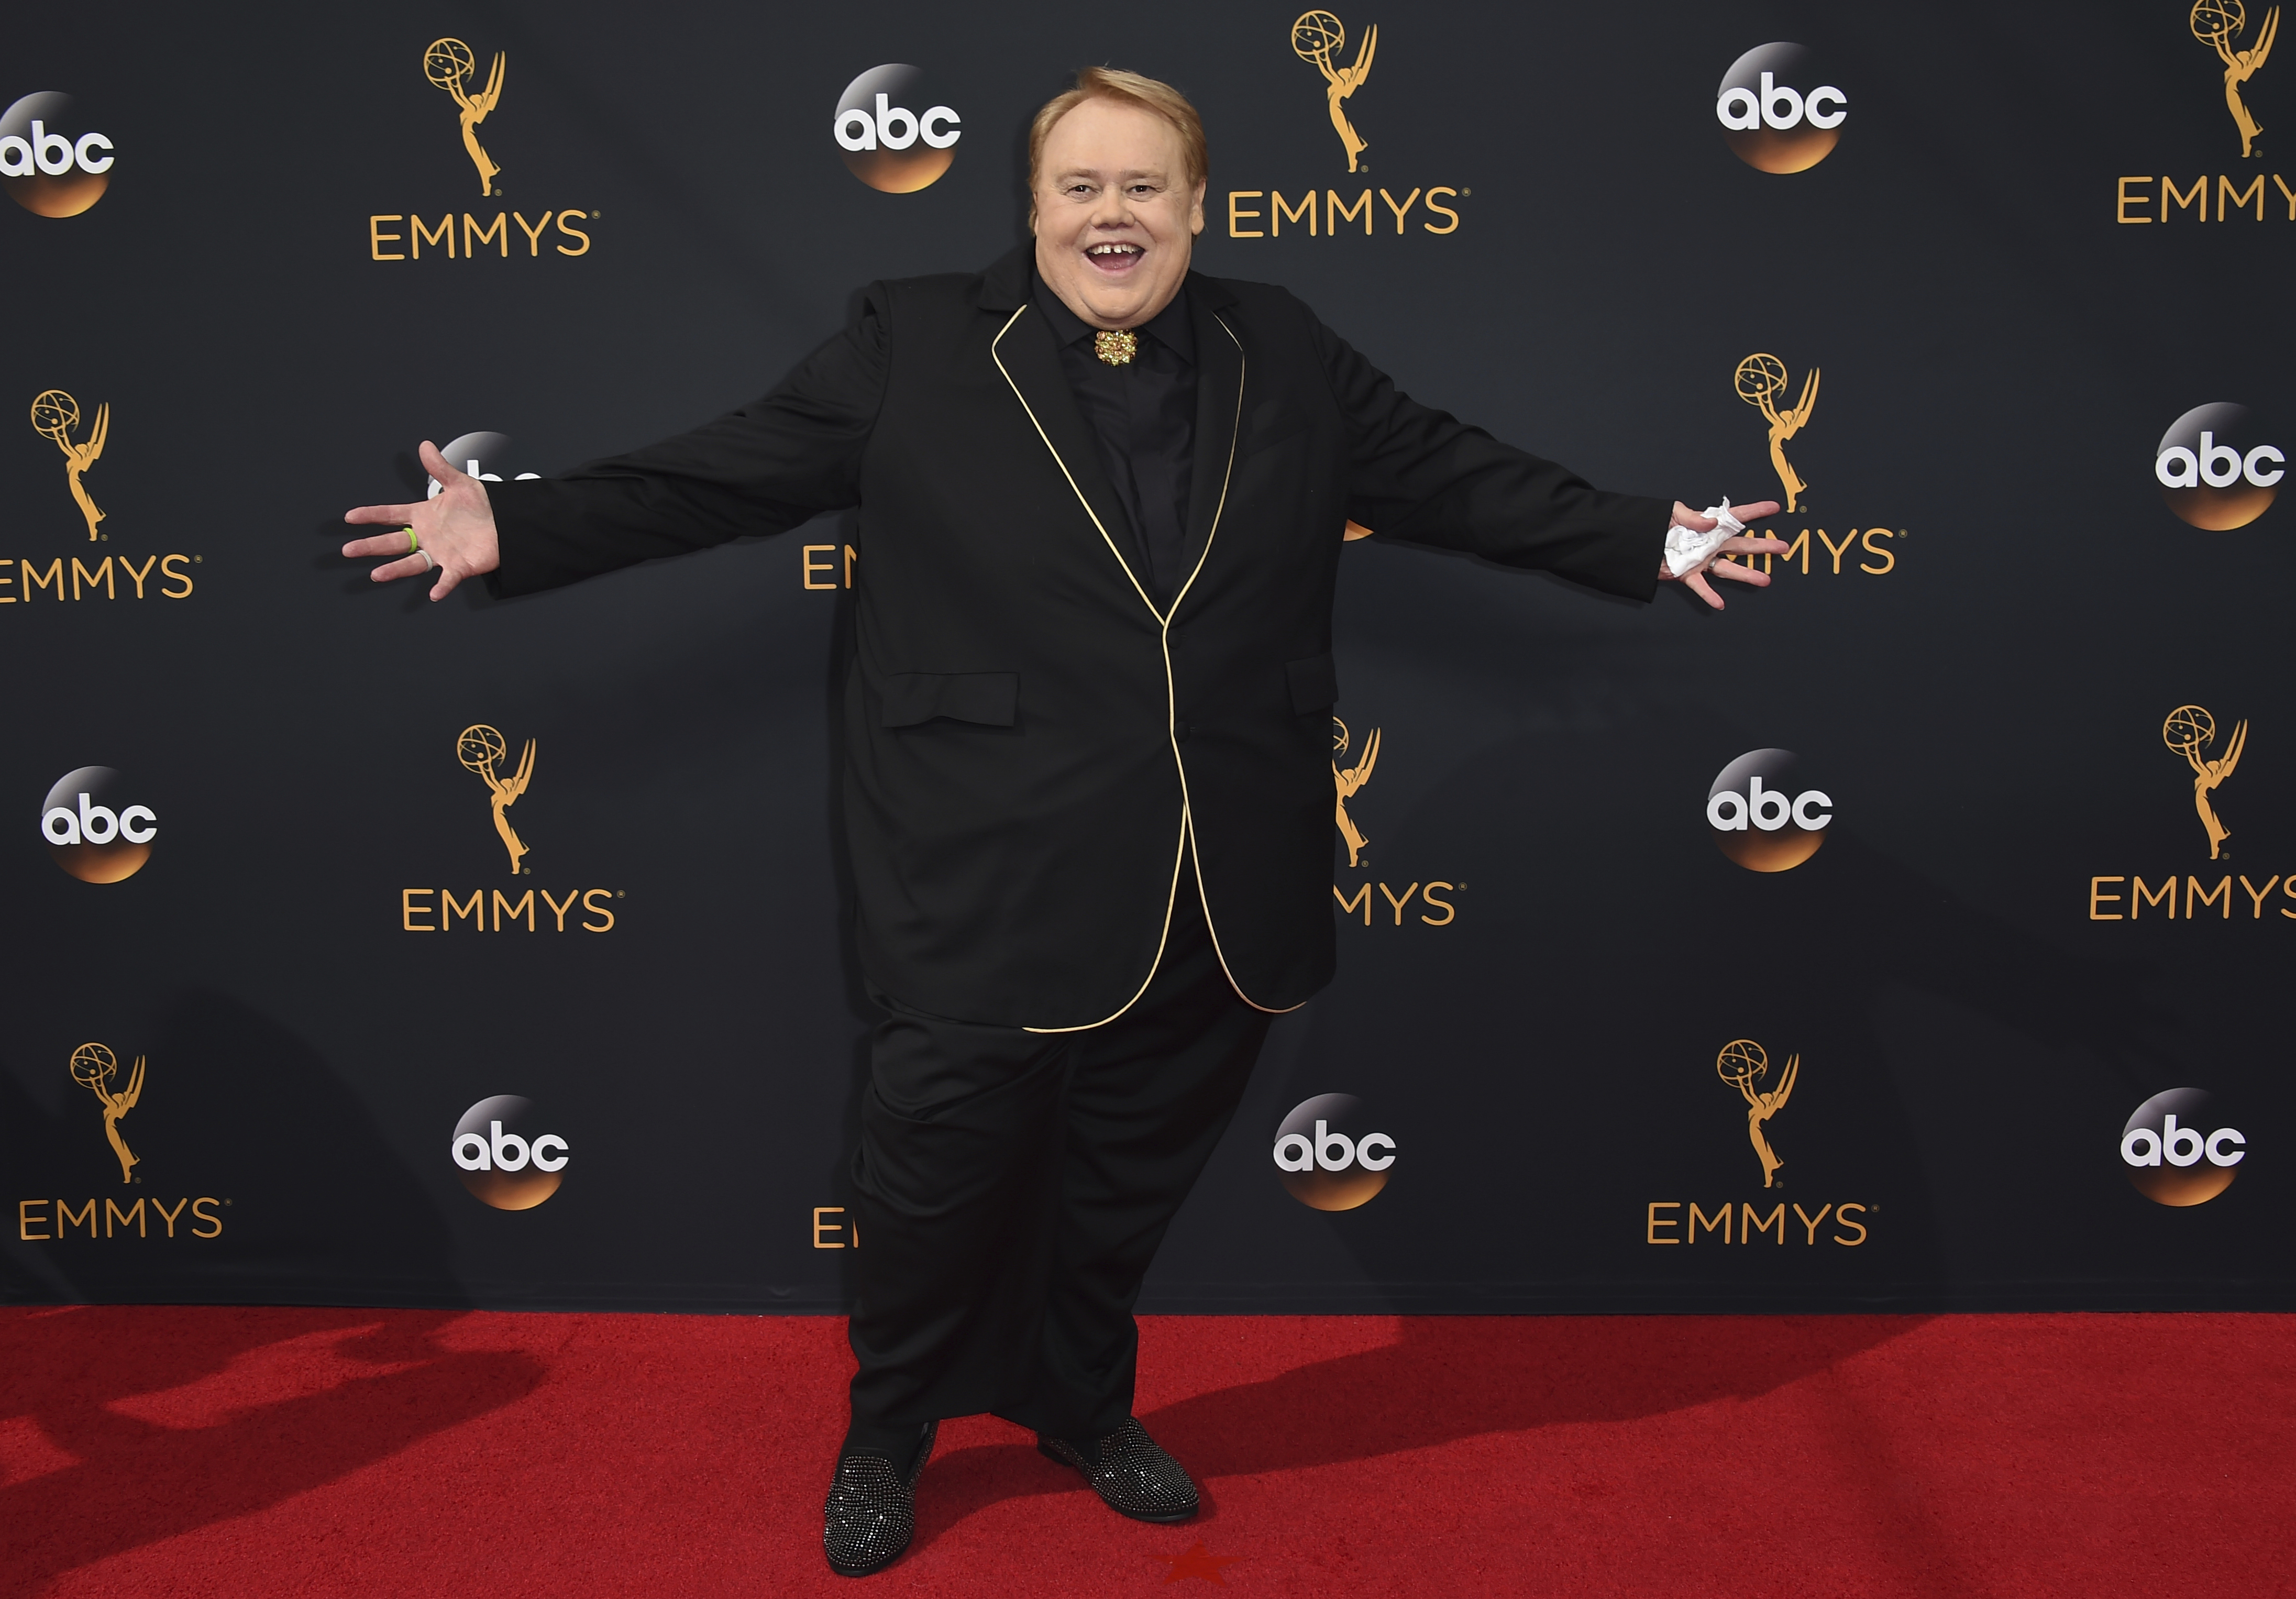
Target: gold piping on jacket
1187	810
1164	643
1180	850
1063	465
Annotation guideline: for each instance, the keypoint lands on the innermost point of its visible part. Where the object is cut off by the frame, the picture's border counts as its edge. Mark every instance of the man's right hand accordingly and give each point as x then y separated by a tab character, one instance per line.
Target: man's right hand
455	528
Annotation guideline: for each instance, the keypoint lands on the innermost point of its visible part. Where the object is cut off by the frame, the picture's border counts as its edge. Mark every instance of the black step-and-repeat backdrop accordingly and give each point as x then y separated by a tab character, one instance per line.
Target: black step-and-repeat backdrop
1911	936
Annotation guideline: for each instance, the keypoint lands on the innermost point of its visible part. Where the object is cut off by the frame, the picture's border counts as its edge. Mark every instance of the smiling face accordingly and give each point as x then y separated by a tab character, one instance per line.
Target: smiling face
1116	215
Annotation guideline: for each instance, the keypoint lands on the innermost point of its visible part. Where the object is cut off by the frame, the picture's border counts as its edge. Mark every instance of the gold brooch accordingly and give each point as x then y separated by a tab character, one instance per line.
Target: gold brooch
1116	349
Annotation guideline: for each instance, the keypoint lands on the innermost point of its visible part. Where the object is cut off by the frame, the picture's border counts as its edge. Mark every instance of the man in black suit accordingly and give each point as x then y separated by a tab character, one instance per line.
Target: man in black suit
1086	788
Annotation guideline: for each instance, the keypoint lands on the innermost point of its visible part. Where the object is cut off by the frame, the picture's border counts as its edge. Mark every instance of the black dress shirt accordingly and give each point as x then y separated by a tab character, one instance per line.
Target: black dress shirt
1145	416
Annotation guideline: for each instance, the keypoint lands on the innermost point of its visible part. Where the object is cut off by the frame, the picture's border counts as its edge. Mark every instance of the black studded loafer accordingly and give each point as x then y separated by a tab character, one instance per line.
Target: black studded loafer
1133	1477
872	1510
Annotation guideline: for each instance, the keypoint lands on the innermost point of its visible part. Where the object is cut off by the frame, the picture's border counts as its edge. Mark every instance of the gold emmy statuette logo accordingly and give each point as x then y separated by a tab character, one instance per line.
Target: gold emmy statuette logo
1760	380
94	1067
1315	35
479	747
1741	1064
2218	24
1318	39
54	415
2189	730
1350	780
448	64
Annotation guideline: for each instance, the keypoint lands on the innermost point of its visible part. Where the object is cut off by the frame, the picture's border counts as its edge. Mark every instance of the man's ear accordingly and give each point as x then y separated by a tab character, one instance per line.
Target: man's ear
1196	209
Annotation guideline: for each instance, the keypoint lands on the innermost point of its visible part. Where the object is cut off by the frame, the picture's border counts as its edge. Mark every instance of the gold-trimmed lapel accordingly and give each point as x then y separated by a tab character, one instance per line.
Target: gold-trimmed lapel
1025	353
1219	410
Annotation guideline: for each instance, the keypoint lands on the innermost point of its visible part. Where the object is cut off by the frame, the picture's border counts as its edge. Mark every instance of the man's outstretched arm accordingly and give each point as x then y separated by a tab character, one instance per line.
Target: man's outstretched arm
1421	474
761	468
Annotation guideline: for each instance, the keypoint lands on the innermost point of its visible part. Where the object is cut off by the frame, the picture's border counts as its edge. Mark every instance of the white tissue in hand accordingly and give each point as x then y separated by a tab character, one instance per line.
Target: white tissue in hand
1687	549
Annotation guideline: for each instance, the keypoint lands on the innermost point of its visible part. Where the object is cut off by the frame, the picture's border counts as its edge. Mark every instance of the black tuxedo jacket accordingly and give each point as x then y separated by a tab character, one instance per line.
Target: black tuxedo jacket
1032	746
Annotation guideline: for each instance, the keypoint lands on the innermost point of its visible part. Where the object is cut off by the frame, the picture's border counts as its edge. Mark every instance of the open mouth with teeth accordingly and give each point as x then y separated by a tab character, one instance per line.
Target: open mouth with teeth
1114	259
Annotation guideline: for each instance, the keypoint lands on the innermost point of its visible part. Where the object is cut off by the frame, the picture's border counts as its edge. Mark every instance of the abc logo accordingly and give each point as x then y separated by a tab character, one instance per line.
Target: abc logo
91	833
887	145
503	1160
1772	126
49	170
2206	476
1760	818
1324	1164
2177	1149
481	455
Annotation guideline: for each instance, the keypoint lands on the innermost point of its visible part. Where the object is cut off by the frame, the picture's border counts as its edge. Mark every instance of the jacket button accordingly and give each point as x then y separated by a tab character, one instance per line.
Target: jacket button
1180	730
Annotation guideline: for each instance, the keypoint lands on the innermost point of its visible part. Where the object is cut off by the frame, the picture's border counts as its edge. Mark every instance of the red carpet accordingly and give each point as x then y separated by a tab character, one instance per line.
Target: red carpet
314	1452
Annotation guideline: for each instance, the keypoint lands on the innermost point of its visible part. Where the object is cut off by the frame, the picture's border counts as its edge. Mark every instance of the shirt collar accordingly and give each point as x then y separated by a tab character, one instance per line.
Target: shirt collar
1170	327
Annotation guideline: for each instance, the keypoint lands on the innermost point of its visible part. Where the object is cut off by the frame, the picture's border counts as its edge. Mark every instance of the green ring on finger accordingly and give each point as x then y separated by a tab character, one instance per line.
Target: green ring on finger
414	544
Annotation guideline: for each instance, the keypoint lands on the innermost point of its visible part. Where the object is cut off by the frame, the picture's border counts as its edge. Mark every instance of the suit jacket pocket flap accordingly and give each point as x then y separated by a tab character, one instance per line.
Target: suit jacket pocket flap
1314	684
990	699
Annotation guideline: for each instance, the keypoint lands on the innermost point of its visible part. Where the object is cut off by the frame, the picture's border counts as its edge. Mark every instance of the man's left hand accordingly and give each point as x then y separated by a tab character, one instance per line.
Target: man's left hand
1743	545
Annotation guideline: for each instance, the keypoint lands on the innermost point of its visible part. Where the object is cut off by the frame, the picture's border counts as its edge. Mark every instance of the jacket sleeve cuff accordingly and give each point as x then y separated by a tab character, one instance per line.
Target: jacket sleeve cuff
1640	542
536	548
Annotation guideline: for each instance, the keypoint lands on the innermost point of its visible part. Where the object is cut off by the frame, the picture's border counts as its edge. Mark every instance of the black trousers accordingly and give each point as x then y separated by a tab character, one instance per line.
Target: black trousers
1010	1189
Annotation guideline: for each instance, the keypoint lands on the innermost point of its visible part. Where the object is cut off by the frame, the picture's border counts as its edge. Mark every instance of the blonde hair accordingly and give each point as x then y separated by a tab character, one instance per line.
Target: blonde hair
1110	83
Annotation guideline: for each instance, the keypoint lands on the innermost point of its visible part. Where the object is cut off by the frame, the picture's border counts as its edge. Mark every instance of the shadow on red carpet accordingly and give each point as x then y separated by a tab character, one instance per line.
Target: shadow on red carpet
261	1405
1444	1380
264	1454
